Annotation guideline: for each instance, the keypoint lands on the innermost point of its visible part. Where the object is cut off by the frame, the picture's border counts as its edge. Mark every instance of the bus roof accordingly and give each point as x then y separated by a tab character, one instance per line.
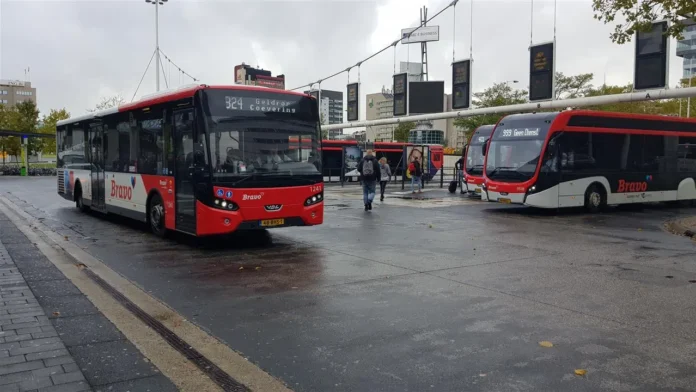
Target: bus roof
486	129
600	119
175	94
545	116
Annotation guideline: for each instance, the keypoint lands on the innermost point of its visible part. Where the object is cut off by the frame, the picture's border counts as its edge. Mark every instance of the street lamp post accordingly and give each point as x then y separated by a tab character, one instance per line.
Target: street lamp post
157	3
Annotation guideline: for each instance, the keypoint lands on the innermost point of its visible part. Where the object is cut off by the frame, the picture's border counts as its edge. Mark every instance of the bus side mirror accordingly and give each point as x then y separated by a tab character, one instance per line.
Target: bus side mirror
483	148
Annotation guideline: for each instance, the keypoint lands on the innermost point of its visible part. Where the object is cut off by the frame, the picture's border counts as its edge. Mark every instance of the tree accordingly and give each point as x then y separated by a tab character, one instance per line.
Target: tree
402	131
49	127
108	102
573	86
639	17
27	121
500	94
9	119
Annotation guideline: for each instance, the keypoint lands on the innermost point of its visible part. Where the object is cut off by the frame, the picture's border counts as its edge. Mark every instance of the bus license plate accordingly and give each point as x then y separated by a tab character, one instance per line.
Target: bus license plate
272	222
504	201
477	190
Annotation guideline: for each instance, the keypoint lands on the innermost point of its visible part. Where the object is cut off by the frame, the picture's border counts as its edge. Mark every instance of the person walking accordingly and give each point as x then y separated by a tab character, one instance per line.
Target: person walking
385	174
416	173
369	170
459	167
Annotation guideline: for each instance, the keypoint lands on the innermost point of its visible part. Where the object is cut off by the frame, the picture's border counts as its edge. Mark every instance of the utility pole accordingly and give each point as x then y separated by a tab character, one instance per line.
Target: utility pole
424	47
157	49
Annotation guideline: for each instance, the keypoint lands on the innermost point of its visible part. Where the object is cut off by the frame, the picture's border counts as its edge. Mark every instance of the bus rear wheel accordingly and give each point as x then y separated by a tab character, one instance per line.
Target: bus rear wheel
595	198
79	201
155	215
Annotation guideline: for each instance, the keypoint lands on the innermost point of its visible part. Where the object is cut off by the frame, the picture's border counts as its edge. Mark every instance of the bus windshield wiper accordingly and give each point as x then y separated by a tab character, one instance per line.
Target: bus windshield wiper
497	169
242	179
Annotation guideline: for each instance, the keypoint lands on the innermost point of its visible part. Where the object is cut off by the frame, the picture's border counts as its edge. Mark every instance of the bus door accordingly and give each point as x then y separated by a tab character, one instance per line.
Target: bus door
96	135
185	203
550	172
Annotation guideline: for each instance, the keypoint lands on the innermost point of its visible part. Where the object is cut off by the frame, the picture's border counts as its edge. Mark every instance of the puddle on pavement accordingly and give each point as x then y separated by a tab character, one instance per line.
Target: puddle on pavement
262	272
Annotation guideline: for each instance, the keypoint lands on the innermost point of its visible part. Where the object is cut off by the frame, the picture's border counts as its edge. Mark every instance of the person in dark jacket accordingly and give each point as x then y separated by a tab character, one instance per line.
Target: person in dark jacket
416	175
459	167
370	173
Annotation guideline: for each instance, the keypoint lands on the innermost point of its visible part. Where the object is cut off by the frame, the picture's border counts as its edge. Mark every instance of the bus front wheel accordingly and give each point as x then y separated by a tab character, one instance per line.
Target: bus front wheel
595	198
156	216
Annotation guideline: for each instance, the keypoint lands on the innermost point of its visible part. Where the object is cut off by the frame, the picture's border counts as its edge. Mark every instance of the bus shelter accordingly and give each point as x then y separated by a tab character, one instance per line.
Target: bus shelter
24	136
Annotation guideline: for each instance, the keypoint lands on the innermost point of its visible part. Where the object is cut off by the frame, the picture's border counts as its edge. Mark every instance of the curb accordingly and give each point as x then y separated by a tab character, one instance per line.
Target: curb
677	228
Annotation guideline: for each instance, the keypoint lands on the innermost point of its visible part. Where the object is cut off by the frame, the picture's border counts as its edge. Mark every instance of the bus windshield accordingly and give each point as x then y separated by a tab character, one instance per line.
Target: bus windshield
262	137
513	160
474	155
513	154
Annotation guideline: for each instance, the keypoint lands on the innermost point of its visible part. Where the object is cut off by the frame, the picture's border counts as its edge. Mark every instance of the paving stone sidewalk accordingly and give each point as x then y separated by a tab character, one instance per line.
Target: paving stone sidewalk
53	338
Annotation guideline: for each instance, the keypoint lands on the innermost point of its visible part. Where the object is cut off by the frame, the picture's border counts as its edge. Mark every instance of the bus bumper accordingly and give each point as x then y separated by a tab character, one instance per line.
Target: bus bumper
214	221
505	197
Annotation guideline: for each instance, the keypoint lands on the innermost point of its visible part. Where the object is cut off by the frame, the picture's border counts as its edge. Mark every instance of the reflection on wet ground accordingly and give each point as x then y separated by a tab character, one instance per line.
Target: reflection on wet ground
413	297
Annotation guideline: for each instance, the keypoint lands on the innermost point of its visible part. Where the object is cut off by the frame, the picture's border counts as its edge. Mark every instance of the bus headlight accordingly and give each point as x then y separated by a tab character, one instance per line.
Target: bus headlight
532	189
226	205
314	199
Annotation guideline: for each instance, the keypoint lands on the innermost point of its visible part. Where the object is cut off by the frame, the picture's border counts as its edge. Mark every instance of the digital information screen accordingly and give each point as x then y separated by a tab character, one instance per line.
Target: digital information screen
651	58
426	97
353	99
400	89
541	72
461	80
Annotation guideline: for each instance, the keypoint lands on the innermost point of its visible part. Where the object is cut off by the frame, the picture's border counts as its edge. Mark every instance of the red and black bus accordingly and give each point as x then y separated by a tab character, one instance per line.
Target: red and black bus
202	160
475	158
589	158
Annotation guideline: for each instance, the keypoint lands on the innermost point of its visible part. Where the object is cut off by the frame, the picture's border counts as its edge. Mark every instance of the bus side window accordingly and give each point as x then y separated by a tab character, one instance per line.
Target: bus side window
550	161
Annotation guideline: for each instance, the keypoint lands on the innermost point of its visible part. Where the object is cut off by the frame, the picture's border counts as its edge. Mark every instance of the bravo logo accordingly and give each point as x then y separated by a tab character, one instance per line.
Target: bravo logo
626	186
123	192
252	197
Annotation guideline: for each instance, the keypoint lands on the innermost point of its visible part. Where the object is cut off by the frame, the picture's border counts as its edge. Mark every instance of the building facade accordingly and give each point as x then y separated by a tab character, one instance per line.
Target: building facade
414	70
245	74
686	49
330	109
379	106
13	92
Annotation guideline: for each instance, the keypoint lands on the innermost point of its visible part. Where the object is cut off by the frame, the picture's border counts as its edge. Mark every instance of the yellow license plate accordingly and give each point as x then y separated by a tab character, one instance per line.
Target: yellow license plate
272	222
477	190
504	201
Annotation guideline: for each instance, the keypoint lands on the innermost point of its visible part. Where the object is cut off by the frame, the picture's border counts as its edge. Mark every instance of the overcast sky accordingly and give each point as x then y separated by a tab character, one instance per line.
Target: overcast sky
79	51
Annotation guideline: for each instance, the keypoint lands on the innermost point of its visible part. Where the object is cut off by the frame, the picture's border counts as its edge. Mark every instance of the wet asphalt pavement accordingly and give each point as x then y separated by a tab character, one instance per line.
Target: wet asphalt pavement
414	298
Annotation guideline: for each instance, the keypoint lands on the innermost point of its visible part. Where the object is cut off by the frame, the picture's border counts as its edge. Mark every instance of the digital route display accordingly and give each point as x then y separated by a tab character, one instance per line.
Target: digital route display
400	89
461	80
541	72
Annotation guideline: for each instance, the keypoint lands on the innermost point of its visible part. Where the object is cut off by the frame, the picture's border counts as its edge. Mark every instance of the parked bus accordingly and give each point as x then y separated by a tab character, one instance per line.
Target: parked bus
333	159
590	159
201	160
474	159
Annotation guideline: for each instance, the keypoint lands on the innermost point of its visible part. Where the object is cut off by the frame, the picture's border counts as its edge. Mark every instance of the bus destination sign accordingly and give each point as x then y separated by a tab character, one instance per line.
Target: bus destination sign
264	105
520	132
